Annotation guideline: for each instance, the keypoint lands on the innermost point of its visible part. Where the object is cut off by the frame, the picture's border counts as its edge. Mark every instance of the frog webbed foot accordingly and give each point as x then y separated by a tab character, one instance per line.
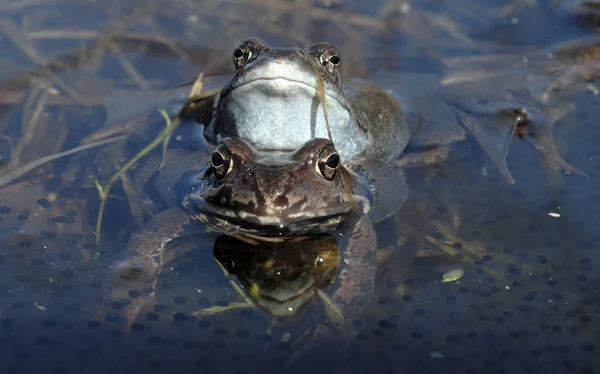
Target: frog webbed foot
536	127
138	268
132	281
494	129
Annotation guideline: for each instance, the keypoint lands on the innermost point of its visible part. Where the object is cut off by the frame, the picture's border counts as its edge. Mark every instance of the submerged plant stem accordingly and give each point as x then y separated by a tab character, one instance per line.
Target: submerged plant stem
170	126
11	176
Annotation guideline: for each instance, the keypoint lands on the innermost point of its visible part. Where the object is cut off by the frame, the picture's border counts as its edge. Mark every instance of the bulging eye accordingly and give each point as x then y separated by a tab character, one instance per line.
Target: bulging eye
241	55
247	51
221	162
328	163
331	60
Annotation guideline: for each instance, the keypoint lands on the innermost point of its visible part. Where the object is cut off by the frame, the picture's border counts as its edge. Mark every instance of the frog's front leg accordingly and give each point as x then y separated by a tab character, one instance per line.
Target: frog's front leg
353	290
356	280
135	271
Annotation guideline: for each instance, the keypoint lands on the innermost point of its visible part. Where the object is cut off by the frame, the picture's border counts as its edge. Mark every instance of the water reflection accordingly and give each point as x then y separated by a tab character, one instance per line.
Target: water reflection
281	278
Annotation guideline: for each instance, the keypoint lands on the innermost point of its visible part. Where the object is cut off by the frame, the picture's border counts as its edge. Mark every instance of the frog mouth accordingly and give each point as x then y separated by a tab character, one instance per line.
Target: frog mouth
281	86
281	78
231	221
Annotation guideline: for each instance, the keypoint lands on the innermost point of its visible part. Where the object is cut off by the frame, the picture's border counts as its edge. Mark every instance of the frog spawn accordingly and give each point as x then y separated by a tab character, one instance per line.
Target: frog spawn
520	310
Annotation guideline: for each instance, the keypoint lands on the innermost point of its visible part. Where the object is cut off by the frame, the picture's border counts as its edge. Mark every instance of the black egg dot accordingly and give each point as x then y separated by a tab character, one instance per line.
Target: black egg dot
407	298
44	203
67	273
65	256
5	209
487	258
242	333
137	326
94	285
22	278
179	300
542	259
179	317
7	322
416	335
116	333
60	219
152	317
556	328
418	312
585	319
93	324
581	278
51	235
552	283
23	216
386	325
111	317
220	332
134	293
154	340
204	324
38	261
246	313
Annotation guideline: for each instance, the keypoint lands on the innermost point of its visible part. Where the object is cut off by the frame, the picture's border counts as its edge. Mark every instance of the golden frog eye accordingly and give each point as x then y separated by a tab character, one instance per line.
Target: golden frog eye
221	162
329	163
331	60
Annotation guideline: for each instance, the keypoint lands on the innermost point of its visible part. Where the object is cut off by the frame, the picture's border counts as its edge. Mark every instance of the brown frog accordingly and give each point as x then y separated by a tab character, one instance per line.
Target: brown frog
259	196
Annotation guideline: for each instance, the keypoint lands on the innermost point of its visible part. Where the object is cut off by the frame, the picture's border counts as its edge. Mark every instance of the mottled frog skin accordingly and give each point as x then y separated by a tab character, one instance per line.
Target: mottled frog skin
260	196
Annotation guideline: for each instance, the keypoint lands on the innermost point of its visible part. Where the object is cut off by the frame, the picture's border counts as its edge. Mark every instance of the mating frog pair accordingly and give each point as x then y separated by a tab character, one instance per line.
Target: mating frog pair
284	180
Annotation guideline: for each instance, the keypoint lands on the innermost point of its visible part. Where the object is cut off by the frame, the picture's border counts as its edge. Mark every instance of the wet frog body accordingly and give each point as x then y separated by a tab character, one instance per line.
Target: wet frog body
259	196
273	102
280	97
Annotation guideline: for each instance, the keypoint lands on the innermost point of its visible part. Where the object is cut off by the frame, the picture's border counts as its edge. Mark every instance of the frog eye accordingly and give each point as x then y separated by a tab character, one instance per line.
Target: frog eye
331	60
328	164
247	51
221	162
241	55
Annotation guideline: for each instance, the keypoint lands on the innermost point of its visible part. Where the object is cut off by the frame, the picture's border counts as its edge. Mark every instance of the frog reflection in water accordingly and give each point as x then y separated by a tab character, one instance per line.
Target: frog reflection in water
260	196
281	278
280	97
